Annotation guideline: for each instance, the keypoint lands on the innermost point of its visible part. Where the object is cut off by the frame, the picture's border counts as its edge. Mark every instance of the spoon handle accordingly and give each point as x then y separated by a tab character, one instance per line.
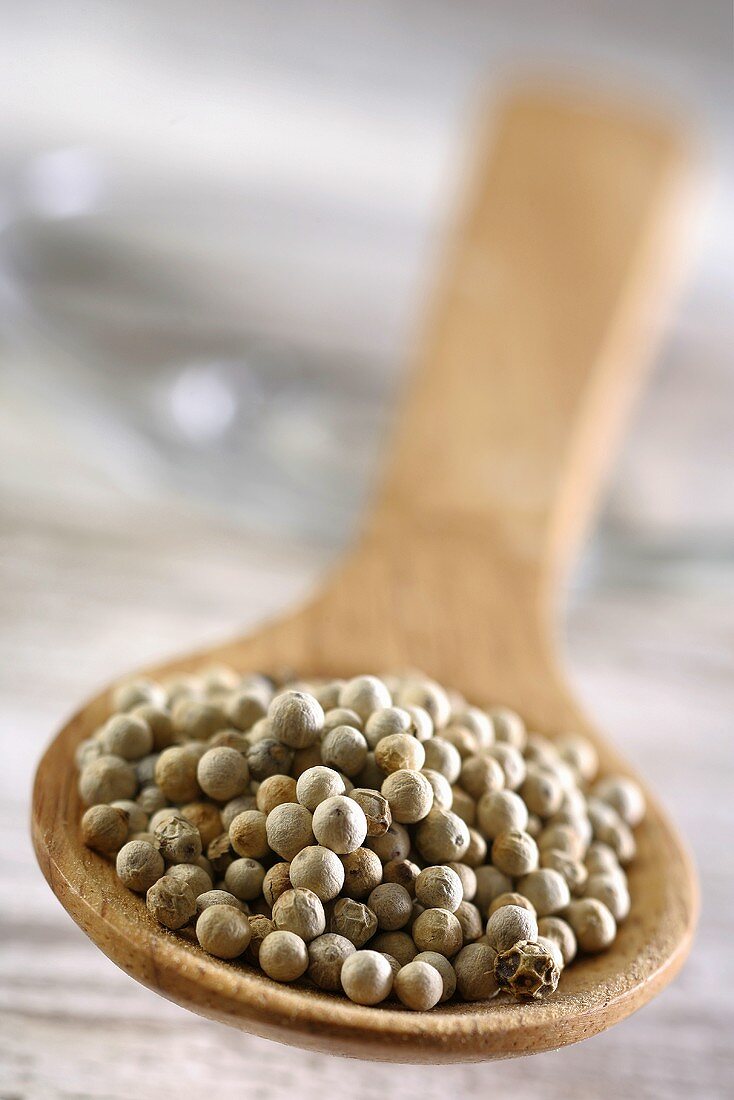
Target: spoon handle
541	324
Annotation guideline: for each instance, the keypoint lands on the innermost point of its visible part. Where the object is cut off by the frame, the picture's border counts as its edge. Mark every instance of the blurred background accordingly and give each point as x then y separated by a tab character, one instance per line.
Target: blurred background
218	225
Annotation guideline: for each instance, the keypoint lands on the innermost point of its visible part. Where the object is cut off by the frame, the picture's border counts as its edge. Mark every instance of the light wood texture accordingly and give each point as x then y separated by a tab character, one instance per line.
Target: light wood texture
540	327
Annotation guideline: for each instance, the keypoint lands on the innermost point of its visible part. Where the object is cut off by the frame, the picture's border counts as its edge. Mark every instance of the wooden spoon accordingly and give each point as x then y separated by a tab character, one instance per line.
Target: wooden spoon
539	332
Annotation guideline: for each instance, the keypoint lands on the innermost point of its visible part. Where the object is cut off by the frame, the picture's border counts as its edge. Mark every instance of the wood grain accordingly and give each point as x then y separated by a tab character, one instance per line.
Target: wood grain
540	329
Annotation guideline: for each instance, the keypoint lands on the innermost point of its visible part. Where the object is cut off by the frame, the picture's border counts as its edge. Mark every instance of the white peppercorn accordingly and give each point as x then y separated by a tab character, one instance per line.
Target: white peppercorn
317	784
86	751
392	905
462	739
510	898
611	889
268	757
480	774
399	751
345	749
600	859
430	696
398	945
560	931
317	869
222	773
392	845
443	795
539	749
468	880
197	878
105	828
618	835
277	880
476	854
244	878
512	763
196	719
164	814
206	818
362	873
553	949
353	920
148	837
541	791
371	776
500	811
421	723
299	911
366	977
236	806
244	708
375	808
474	968
439	888
445	970
260	927
126	736
418	986
442	837
547	890
341	716
409	795
158	720
289	828
508	726
403	872
327	693
171	902
463	805
326	957
579	753
573	870
230	739
477	722
105	779
283	956
592	924
145	769
134	693
384	723
443	757
509	925
218	897
275	791
175	774
223	931
515	853
364	694
622	794
438	930
339	824
262	730
470	919
151	798
562	837
178	840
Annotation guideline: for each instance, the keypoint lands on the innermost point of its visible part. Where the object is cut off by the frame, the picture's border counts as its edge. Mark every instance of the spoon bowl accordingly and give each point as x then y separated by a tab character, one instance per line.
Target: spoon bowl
540	326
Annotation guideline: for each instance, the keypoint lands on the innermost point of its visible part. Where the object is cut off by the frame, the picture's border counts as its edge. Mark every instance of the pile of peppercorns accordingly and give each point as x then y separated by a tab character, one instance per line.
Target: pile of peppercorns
377	836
